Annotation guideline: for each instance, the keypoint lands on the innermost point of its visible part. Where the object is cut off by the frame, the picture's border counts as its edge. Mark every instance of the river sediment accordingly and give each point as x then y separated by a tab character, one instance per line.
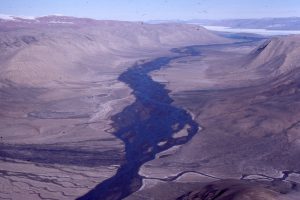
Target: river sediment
144	126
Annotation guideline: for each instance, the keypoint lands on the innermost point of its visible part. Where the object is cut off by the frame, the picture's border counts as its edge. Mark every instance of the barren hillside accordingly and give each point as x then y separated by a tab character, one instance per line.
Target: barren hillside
50	49
59	88
246	101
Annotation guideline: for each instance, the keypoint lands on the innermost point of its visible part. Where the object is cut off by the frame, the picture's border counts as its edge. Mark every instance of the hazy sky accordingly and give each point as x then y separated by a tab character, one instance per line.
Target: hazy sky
153	9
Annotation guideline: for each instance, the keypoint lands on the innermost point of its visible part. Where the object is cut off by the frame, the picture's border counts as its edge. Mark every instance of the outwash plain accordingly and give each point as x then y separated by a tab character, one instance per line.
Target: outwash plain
232	102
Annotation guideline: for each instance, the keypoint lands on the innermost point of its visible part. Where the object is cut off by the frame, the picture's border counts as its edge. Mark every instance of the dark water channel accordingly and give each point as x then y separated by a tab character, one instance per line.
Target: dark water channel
150	120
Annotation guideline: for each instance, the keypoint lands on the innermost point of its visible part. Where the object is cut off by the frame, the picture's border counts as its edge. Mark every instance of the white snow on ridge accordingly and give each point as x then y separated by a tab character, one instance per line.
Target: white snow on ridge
6	17
14	18
60	22
31	19
255	31
26	17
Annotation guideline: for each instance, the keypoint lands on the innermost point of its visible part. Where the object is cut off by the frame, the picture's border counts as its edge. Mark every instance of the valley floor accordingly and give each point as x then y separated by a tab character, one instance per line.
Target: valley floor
57	143
249	141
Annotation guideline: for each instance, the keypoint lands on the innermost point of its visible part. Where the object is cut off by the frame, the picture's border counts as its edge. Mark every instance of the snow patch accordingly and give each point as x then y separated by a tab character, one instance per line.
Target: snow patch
6	17
60	22
15	18
255	31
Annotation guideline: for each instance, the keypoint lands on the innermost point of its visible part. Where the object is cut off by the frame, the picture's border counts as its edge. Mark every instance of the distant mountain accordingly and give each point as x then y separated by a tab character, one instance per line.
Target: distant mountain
11	17
46	49
292	23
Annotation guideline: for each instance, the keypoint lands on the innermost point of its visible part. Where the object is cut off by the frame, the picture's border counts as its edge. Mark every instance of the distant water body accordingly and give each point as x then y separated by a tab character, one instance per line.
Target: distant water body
254	31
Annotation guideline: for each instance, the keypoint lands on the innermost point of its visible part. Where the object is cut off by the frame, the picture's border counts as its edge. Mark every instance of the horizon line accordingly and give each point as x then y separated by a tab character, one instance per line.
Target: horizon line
10	16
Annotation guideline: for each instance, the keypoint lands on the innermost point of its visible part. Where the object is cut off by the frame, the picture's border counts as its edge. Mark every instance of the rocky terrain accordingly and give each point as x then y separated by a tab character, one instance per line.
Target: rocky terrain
245	98
171	110
59	88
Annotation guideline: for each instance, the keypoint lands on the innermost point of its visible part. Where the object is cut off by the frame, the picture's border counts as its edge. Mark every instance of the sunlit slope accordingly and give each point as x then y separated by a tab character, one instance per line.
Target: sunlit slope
50	49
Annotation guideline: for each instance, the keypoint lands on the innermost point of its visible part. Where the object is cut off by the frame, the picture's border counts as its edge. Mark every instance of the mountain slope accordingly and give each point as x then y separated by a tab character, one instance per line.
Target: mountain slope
277	56
48	49
59	89
247	104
